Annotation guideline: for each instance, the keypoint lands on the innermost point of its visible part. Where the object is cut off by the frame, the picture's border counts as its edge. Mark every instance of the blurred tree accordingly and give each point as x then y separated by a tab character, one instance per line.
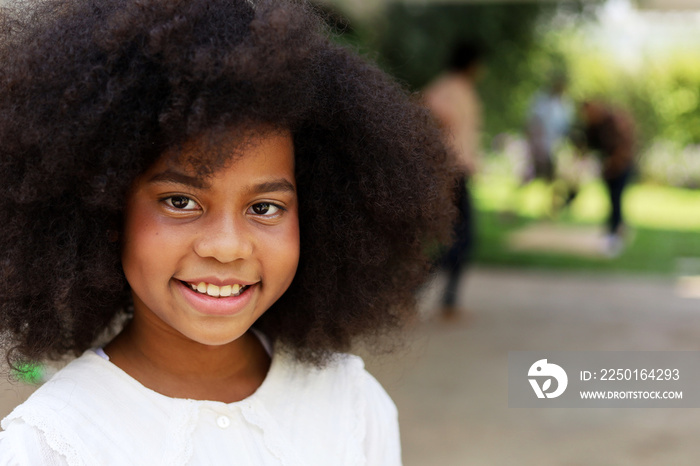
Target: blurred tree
527	42
413	42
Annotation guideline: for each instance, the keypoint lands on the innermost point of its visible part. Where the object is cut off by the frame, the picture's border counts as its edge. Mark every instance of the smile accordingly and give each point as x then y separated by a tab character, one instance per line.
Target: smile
217	291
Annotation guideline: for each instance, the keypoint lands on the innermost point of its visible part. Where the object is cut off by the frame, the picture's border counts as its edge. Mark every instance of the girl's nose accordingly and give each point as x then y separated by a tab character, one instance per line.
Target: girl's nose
225	239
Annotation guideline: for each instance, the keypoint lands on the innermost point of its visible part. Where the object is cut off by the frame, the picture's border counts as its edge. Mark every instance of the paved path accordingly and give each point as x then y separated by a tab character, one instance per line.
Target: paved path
450	384
577	240
451	387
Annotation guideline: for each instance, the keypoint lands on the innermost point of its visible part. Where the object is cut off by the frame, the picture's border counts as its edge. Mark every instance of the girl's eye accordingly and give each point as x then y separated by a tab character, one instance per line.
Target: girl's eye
181	203
265	208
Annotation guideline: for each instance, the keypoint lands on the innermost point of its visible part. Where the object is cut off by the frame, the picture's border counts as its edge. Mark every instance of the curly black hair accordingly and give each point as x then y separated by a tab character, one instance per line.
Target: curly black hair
92	92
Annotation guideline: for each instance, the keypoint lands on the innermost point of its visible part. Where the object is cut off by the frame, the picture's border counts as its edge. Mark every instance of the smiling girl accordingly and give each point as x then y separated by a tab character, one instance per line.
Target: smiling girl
208	202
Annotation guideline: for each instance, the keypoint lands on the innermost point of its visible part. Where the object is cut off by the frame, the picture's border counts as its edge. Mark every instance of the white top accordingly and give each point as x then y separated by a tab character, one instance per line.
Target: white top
550	117
93	413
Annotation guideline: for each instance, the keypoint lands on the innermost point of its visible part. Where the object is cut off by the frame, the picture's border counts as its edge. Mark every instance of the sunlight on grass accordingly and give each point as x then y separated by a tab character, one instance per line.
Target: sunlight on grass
494	193
658	207
591	204
664	208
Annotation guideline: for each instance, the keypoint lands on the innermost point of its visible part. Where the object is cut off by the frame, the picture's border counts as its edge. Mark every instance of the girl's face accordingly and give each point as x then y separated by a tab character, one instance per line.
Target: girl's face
207	256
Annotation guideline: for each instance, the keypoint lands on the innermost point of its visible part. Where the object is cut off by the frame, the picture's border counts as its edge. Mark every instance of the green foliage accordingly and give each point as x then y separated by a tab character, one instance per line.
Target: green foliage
416	40
671	90
663	94
527	41
413	42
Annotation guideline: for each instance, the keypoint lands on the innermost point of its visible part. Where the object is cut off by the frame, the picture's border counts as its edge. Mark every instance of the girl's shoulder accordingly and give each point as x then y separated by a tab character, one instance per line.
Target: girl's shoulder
343	378
344	374
341	406
83	405
35	432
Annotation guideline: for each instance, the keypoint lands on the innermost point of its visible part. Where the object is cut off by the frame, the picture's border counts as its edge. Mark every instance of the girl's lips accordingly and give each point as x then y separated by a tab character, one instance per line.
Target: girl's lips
222	305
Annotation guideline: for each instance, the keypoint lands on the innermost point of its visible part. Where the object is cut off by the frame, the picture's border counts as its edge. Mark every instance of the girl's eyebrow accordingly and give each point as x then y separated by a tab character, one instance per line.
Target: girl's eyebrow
279	185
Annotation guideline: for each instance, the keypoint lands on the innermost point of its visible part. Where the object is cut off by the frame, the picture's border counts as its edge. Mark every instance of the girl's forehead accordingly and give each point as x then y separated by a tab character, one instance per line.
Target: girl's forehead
204	154
266	160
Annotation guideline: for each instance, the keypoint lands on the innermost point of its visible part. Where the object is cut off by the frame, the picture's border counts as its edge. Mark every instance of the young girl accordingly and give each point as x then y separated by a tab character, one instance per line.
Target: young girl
238	200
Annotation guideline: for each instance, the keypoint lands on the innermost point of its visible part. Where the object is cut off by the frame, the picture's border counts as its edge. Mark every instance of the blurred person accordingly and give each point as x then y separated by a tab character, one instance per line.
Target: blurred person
610	132
549	120
453	99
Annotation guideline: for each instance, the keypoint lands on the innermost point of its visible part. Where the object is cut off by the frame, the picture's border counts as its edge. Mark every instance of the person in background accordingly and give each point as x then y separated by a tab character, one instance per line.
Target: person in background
453	100
549	120
610	132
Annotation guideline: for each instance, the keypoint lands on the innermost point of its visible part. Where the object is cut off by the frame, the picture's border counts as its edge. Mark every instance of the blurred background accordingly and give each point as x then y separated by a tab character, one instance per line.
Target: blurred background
544	268
641	57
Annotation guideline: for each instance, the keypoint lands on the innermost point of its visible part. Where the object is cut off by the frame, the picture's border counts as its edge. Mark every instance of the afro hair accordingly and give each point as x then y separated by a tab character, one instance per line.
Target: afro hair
93	91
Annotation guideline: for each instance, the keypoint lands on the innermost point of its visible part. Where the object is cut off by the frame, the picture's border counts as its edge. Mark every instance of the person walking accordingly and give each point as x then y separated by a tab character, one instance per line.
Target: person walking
456	106
610	132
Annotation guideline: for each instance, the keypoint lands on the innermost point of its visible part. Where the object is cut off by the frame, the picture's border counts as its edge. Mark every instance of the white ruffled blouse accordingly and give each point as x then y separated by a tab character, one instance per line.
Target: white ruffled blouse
93	413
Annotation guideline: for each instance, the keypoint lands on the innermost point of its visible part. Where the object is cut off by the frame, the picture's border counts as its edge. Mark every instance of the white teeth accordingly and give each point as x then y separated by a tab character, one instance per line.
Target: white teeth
216	291
213	290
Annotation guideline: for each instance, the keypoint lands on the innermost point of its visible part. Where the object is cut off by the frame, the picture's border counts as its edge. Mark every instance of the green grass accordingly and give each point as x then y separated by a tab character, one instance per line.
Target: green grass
665	222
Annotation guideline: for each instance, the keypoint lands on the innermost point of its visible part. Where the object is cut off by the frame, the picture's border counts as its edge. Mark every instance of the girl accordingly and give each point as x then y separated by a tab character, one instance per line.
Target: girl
238	200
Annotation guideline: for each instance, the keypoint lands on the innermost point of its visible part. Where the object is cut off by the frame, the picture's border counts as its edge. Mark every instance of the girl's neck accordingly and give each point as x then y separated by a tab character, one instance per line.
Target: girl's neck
171	364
